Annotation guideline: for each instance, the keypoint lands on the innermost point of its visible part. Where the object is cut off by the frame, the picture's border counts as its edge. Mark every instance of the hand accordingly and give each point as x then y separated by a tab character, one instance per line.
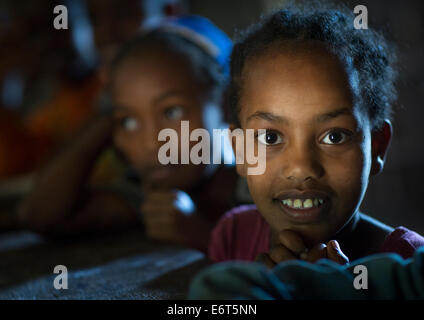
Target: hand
161	210
291	247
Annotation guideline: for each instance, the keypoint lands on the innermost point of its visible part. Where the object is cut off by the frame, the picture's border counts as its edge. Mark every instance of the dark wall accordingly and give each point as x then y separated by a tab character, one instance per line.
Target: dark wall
395	196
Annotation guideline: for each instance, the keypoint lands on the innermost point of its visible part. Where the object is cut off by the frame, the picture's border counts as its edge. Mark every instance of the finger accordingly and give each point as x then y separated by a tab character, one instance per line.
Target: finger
318	252
160	233
160	229
160	196
159	217
335	254
292	241
160	223
158	220
159	236
152	185
266	260
280	253
157	209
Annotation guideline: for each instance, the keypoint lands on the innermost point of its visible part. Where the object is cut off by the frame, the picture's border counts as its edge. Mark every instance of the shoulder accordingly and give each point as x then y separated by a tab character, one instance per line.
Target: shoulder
375	224
239	234
243	212
403	242
374	229
245	217
367	237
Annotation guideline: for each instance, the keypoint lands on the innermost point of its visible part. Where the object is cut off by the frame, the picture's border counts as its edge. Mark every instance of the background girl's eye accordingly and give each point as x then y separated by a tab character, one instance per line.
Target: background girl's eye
270	138
129	123
335	137
174	113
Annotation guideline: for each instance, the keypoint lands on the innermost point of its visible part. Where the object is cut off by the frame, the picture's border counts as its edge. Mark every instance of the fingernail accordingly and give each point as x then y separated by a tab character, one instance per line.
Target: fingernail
335	245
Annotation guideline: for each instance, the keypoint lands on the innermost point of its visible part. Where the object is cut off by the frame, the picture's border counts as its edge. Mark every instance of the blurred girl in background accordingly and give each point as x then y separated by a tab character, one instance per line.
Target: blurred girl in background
172	72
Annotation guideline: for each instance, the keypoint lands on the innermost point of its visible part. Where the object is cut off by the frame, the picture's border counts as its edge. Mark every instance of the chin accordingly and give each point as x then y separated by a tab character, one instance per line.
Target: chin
313	234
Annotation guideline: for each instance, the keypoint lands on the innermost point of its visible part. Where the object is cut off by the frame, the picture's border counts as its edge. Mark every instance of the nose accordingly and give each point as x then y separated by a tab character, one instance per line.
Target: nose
149	136
145	144
302	163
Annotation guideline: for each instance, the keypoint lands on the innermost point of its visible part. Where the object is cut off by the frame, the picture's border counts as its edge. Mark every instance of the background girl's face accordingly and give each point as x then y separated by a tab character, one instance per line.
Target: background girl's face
318	145
154	91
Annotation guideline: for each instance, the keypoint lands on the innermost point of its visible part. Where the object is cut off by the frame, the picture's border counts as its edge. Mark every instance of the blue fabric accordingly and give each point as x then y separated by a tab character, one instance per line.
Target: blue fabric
206	28
389	277
196	29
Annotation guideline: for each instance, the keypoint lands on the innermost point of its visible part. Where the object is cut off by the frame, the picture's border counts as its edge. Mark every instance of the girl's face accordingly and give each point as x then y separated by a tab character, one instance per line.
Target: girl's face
318	146
155	91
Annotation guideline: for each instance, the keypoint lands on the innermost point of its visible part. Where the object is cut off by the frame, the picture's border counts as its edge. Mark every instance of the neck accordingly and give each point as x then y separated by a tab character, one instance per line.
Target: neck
347	230
346	237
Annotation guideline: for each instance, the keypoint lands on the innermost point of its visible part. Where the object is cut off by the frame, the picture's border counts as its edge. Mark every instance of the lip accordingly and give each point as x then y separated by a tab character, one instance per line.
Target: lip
159	172
309	215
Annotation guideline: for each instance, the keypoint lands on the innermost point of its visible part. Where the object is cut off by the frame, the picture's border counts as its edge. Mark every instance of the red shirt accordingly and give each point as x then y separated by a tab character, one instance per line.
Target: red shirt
213	196
242	234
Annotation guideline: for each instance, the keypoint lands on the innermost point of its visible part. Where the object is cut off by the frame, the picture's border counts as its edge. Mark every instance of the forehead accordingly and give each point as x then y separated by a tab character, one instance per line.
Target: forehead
306	78
155	66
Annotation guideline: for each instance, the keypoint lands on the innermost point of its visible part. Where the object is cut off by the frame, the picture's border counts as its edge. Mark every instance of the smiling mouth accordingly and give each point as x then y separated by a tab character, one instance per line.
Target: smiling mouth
303	207
158	173
303	204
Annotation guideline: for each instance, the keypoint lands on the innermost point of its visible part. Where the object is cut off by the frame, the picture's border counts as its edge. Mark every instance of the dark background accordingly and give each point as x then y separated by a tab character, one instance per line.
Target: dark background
36	61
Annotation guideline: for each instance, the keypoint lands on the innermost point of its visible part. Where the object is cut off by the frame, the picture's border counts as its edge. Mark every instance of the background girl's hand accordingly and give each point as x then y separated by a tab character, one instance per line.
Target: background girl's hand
161	210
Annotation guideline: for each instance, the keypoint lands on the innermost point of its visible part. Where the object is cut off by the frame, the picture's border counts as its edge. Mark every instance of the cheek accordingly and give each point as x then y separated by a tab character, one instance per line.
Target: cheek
196	120
256	185
260	187
348	177
118	140
128	145
264	185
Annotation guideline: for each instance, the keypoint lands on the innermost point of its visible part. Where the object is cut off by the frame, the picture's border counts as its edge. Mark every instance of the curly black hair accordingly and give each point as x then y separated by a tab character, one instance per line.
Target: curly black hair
366	55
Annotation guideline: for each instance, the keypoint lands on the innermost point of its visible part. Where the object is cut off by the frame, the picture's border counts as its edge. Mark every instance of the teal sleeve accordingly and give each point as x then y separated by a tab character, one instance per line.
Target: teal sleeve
388	276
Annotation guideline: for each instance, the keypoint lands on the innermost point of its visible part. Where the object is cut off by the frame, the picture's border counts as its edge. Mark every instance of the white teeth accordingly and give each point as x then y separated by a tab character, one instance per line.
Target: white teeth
302	204
308	203
297	203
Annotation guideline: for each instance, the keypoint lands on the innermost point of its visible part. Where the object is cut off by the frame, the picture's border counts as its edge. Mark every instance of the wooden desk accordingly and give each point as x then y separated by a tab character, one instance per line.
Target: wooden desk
119	266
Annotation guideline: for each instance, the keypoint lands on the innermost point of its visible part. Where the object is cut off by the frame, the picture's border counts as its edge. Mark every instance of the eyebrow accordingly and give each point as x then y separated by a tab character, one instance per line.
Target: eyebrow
269	116
168	94
160	98
333	114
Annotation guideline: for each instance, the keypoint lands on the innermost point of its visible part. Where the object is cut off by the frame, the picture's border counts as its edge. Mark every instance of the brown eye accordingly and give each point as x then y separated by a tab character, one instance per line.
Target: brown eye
270	138
336	137
174	113
129	123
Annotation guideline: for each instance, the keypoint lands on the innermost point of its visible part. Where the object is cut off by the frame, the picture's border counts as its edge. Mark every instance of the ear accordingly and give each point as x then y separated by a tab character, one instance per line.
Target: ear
240	167
380	142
